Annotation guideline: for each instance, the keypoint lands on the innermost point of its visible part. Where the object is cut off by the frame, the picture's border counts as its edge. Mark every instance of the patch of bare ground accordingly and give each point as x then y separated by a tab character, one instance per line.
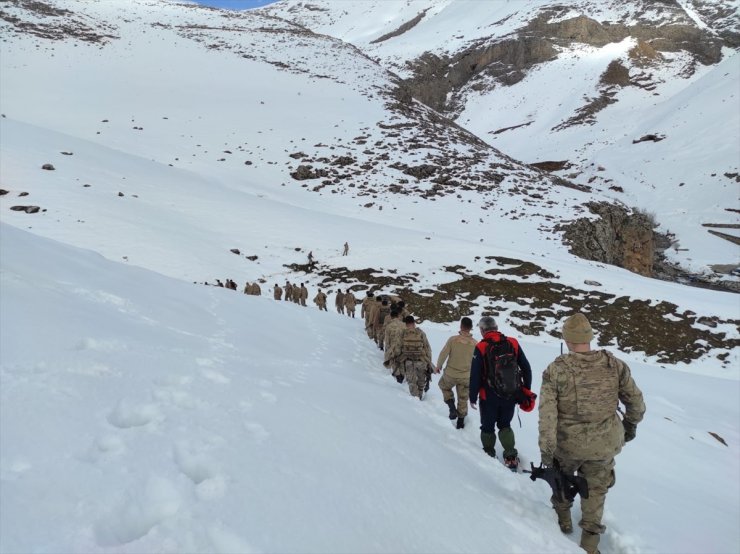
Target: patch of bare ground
55	24
657	329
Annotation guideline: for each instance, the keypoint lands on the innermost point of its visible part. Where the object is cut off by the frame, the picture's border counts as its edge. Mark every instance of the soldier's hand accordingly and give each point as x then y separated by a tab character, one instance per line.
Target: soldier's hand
546	459
473	405
630	430
387	364
436	369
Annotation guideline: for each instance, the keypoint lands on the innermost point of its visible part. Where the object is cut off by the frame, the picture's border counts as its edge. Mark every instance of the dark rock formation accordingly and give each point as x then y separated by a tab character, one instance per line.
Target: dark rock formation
618	237
27	209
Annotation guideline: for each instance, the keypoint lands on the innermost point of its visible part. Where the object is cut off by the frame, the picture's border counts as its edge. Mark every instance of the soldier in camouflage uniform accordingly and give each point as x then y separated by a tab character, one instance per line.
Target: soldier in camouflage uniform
378	320
288	291
320	301
350	302
367	303
277	292
303	295
579	425
339	301
296	294
458	353
416	357
370	325
392	340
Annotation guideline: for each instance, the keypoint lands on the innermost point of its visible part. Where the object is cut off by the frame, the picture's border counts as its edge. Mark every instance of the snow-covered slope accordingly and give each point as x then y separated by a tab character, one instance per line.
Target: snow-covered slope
144	414
576	83
179	134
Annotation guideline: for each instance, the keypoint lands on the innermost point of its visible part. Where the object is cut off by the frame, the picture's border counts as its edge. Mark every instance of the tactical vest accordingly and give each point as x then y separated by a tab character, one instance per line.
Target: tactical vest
594	394
412	344
384	312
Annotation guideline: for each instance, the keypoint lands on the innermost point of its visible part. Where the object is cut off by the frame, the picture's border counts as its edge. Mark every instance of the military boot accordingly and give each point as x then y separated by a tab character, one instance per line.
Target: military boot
590	542
451	405
461	423
489	442
564	520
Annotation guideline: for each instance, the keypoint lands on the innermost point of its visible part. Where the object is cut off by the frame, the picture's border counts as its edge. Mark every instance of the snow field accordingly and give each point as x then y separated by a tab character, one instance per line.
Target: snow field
145	414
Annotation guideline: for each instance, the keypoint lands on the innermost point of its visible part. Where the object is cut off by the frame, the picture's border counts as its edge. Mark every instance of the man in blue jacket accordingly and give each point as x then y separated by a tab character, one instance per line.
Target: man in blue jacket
495	410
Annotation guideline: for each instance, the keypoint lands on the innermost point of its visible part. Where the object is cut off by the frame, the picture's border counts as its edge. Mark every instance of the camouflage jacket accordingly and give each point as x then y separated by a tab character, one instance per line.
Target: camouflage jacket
578	406
415	346
392	339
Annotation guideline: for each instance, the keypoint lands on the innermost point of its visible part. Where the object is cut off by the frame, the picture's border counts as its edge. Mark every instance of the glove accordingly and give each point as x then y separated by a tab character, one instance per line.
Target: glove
630	430
546	459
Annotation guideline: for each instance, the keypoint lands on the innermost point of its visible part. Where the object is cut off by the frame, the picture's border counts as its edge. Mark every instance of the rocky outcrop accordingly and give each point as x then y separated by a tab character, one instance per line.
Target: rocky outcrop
506	60
618	237
402	29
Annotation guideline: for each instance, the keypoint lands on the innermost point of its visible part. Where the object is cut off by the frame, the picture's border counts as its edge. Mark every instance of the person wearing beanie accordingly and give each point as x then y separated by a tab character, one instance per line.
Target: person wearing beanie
579	428
495	410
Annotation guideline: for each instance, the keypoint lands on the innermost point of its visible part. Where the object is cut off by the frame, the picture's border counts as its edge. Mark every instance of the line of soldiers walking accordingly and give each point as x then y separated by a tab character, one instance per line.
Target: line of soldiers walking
580	431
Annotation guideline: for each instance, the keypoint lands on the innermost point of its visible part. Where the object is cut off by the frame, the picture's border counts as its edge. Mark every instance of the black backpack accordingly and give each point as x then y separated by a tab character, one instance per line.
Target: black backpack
502	370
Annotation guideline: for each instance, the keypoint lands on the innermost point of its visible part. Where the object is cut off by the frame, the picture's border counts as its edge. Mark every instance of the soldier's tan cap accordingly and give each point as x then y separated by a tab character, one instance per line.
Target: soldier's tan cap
577	329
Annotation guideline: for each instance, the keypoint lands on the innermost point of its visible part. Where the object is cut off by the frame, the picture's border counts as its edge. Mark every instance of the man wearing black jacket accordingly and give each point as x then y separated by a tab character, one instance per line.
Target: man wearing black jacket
496	411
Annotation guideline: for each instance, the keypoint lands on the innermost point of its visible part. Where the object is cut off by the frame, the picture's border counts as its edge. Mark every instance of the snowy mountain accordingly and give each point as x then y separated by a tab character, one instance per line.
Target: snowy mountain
143	411
634	100
247	129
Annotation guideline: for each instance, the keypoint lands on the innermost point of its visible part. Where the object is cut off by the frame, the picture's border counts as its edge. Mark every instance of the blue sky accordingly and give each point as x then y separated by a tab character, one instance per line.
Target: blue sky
235	4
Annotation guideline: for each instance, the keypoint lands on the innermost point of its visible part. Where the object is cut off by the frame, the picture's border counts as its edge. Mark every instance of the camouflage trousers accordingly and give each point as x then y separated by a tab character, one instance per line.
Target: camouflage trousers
416	376
340	309
447	383
350	312
369	328
600	477
379	335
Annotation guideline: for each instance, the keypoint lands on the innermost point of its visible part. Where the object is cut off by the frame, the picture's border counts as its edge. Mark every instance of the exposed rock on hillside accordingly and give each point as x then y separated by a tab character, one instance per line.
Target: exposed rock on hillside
618	237
438	80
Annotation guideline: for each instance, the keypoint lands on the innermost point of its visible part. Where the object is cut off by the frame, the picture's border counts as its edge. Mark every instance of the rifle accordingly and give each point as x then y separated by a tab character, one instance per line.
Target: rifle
564	487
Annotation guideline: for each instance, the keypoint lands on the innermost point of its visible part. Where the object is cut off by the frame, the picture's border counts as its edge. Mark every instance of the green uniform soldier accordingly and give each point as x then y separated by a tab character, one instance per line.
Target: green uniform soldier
277	292
579	426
